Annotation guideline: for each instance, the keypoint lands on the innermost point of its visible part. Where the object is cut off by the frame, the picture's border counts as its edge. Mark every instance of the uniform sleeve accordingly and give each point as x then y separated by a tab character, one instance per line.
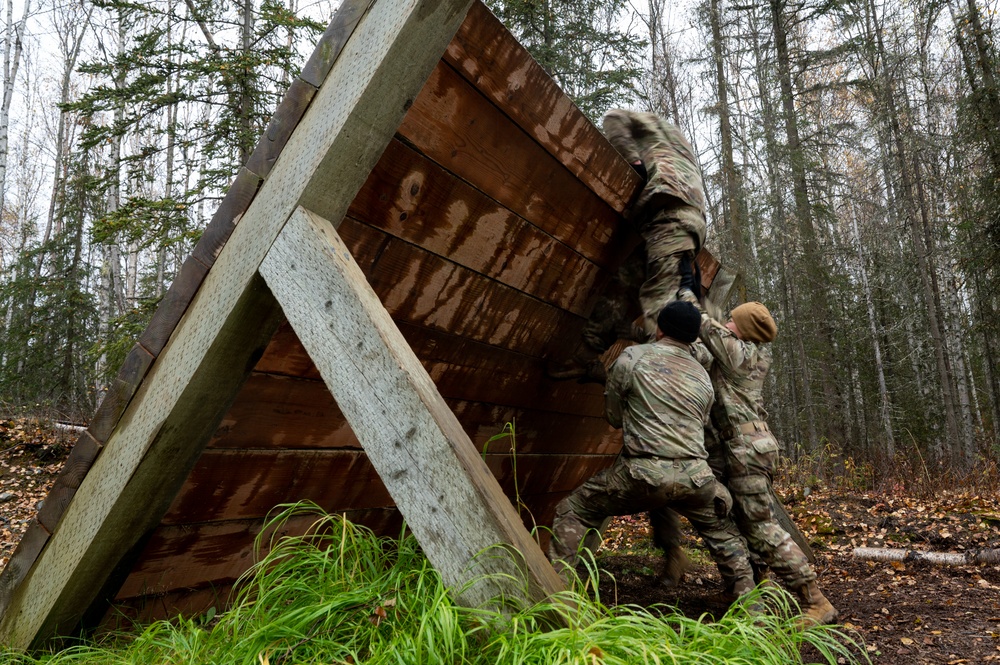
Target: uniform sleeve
617	127
618	387
725	347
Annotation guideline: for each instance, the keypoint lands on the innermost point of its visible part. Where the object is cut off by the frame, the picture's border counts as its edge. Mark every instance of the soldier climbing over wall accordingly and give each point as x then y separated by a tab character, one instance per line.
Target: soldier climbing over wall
669	214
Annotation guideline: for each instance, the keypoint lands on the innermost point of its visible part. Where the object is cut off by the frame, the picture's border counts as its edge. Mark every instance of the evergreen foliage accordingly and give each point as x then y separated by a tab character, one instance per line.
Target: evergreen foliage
581	45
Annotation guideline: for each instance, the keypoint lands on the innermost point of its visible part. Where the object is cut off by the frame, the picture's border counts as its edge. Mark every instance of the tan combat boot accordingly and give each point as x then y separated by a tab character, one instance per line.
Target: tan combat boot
816	609
675	564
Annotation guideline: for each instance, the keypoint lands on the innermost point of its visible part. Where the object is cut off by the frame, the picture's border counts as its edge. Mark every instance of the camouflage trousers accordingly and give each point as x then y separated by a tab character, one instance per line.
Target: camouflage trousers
645	283
750	461
635	485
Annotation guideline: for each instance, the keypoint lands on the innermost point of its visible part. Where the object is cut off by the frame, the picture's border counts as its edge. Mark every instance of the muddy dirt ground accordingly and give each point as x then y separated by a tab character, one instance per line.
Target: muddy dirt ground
904	613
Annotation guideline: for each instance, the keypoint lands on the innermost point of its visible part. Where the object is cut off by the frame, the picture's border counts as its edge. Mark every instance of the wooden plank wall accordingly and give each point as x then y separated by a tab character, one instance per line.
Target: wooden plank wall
486	229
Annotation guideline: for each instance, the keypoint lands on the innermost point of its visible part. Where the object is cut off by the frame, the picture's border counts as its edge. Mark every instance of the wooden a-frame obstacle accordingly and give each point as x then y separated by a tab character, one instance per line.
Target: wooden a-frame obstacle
425	222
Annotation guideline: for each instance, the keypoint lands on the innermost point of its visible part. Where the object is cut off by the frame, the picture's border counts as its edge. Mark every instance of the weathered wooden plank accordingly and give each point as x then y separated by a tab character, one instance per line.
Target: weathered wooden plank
241	192
275	411
413	198
333	41
708	265
28	548
286	356
462	369
490	58
122	617
191	555
286	117
542	474
535	431
135	497
81	457
120	392
279	412
240	484
228	484
424	289
472	371
180	558
453	124
412	438
347	126
164	320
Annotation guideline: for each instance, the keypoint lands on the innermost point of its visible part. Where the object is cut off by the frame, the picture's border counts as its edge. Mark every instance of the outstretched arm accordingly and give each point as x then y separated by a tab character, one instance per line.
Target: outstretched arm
724	346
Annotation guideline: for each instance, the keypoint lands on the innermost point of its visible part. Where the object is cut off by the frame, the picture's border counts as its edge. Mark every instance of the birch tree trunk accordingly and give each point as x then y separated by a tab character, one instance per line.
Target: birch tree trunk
13	46
885	404
916	215
812	275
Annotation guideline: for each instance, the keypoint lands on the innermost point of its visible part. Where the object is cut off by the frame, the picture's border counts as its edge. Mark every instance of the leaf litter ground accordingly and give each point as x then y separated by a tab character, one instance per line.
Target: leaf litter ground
906	613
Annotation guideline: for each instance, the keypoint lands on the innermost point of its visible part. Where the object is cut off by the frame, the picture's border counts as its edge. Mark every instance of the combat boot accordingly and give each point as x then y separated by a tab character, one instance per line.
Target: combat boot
675	564
736	589
816	609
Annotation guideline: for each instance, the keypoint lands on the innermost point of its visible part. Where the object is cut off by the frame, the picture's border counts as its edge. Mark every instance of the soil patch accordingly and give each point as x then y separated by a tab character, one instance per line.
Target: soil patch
904	613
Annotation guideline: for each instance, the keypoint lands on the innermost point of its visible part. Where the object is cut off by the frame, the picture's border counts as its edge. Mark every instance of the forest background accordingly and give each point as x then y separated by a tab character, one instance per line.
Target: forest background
850	147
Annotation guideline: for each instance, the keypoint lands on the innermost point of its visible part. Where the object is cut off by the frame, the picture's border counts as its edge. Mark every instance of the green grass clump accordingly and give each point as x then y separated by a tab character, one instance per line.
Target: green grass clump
339	594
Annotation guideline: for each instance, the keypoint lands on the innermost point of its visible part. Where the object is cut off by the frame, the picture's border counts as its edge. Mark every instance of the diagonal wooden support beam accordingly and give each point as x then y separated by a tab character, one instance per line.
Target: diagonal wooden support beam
386	60
445	491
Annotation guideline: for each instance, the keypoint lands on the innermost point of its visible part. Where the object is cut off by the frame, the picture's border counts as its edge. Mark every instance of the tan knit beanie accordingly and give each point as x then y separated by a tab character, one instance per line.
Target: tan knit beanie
755	322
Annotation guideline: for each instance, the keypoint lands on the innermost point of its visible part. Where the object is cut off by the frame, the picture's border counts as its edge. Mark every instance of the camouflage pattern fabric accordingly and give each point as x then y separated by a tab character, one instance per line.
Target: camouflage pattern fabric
660	397
673	176
750	462
617	305
644	284
635	485
669	215
738	371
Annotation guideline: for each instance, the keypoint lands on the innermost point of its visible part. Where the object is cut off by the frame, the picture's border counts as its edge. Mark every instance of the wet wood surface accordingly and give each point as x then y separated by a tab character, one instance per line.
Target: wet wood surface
492	60
486	228
281	412
487	270
455	125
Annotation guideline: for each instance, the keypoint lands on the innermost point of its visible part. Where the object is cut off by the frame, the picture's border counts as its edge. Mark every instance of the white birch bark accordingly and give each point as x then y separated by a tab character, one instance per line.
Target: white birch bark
13	47
885	404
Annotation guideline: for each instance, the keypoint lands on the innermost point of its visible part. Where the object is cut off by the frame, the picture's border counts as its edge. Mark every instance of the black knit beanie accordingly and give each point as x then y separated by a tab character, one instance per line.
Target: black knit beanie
680	320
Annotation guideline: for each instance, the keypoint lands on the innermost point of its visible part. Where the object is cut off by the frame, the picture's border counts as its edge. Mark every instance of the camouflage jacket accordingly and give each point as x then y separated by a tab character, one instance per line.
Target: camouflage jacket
661	397
738	372
674	188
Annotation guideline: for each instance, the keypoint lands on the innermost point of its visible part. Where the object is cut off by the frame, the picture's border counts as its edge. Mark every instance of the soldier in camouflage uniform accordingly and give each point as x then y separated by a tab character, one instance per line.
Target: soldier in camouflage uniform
660	396
668	214
741	361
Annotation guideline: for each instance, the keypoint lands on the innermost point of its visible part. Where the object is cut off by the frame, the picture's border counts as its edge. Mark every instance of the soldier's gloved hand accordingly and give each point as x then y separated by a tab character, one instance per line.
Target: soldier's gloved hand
640	168
687	275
